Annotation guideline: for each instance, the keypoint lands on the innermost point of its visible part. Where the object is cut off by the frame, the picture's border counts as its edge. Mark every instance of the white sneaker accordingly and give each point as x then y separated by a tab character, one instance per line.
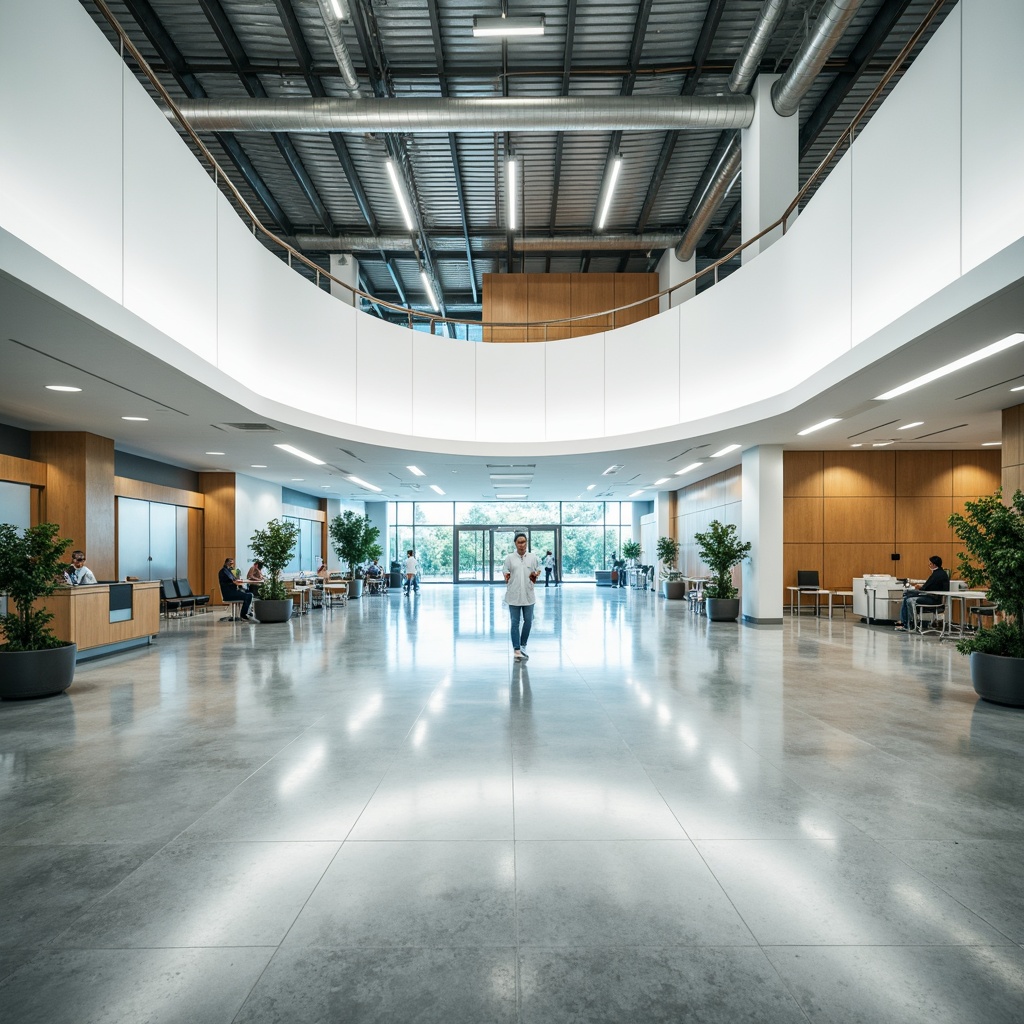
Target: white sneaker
518	655
526	657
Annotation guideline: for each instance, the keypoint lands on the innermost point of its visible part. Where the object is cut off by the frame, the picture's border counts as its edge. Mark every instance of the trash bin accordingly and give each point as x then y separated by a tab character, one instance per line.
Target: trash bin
395	574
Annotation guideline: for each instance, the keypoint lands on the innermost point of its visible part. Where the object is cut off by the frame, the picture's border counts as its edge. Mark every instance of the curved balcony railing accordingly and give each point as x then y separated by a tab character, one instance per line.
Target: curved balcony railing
413	316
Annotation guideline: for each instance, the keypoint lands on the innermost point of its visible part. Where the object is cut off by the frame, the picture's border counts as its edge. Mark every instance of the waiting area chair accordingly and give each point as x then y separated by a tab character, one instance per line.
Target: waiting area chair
184	591
171	601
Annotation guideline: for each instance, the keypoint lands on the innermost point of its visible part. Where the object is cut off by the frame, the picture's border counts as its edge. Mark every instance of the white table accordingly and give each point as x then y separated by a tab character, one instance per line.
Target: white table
796	599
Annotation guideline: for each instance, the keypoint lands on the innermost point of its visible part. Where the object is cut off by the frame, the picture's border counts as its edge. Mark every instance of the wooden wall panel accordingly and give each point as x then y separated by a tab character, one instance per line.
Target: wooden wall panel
844	562
144	491
924	520
802	474
1012	480
218	528
803	520
797	557
914	557
22	471
860	520
1012	472
590	292
547	299
505	298
630	288
924	473
976	472
859	474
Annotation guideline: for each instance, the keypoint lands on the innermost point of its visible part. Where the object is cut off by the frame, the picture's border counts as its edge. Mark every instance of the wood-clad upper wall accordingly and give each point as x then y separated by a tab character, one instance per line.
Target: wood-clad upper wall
534	298
1013	450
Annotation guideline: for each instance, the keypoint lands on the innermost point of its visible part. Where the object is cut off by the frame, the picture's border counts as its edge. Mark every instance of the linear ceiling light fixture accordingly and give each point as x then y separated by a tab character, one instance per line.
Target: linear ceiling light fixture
399	194
363	483
818	426
436	489
68	387
1021	388
612	469
662	480
724	451
430	291
609	191
916	423
957	364
510	189
882	444
415	470
299	453
532	26
636	493
687	469
338	13
991	444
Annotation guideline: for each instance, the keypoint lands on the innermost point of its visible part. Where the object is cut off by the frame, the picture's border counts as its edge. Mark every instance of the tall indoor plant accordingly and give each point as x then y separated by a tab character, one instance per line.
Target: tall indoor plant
34	662
993	534
274	546
353	537
721	551
673	586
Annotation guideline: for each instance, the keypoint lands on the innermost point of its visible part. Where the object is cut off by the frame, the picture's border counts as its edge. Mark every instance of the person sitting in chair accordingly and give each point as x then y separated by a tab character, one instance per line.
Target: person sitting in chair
374	571
938	580
232	589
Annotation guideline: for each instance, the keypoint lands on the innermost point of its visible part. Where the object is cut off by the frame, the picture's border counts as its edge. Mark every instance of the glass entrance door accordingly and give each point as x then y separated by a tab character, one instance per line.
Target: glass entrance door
480	550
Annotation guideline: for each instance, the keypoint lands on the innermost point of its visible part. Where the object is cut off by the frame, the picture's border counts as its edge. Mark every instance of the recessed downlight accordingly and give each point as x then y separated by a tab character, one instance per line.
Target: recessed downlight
61	387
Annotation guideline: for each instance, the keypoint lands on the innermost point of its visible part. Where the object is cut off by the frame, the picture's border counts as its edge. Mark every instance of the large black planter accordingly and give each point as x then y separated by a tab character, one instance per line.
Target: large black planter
355	589
998	679
722	609
273	611
28	674
674	590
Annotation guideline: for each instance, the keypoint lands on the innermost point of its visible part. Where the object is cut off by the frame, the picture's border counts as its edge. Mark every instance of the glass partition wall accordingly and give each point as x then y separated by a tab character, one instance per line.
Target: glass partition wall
466	542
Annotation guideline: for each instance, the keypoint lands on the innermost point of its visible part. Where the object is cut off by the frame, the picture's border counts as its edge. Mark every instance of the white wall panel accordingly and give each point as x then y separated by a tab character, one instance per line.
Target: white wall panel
642	394
256	503
384	379
444	387
170	264
993	157
60	154
510	393
277	333
906	189
574	387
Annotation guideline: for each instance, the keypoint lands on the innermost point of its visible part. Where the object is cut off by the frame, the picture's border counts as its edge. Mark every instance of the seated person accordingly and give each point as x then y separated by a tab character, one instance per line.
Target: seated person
255	573
938	580
232	589
374	572
323	572
81	575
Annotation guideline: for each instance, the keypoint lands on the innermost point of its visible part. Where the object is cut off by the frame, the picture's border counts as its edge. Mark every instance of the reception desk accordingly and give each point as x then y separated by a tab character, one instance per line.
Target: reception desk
106	617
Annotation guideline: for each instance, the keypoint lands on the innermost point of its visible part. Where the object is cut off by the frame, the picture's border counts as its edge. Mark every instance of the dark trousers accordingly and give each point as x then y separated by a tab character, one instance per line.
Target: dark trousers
547	576
515	611
245	596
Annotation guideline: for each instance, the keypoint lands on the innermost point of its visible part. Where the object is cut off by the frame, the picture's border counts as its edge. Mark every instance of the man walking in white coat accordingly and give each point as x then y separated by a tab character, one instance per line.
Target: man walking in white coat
522	571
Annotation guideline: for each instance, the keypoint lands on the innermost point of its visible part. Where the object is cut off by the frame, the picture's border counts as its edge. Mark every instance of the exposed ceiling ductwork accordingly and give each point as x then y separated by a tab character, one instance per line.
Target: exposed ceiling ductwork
332	27
557	113
786	95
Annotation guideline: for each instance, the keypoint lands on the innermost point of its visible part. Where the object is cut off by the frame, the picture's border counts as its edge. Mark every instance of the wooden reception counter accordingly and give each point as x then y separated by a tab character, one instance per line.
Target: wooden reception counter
106	617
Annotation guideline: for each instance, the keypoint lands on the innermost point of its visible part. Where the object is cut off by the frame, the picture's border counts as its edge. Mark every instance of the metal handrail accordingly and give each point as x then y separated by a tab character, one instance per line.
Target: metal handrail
222	180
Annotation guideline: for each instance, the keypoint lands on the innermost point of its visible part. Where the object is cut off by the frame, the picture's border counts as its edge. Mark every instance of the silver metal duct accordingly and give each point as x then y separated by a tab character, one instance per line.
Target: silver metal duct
495	240
337	40
554	114
744	71
810	58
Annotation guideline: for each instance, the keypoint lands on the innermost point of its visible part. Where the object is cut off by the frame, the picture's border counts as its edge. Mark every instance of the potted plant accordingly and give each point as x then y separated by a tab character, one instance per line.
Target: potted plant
993	534
274	546
673	586
631	551
33	661
721	550
353	538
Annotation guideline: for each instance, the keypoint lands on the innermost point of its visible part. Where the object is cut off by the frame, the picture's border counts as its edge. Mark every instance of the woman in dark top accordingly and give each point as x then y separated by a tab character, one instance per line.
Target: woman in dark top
938	580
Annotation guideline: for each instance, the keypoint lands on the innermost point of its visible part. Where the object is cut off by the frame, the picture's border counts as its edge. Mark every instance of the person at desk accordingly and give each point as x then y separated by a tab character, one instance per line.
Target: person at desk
233	589
323	572
938	580
81	575
374	571
255	573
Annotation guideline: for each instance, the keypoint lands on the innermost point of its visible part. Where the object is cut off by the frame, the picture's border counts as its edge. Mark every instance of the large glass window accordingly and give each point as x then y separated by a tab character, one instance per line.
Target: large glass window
307	548
434	549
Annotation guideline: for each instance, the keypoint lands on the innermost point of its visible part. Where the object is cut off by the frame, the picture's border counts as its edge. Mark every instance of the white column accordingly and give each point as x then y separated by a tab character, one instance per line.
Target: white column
671	271
771	164
761	520
345	267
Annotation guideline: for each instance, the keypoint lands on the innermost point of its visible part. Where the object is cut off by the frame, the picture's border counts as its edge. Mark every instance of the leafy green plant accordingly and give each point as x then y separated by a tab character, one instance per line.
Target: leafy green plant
31	567
632	549
353	537
993	534
720	550
274	546
668	552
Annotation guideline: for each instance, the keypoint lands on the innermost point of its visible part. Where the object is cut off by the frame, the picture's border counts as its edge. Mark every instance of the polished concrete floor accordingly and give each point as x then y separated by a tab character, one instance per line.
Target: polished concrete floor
375	815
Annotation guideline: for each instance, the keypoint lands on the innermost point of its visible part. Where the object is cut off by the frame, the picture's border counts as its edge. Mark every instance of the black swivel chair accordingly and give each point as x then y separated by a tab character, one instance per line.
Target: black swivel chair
171	601
807	581
185	591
